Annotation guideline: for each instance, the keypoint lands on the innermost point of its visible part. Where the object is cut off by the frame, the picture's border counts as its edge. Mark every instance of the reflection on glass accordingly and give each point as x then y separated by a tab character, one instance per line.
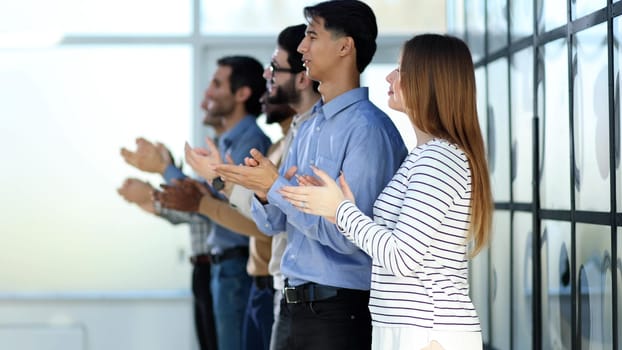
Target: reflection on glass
455	18
497	25
476	27
551	14
482	104
270	16
521	75
556	285
591	119
521	13
552	86
501	277
499	130
594	278
618	297
522	324
581	8
69	112
478	289
617	56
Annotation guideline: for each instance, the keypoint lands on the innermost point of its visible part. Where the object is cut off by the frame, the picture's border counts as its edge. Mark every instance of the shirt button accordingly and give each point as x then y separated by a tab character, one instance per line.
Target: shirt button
266	225
317	129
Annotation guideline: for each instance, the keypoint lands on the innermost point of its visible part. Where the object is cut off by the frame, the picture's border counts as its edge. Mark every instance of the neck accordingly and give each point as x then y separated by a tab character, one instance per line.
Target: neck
422	137
340	82
285	124
308	98
231	120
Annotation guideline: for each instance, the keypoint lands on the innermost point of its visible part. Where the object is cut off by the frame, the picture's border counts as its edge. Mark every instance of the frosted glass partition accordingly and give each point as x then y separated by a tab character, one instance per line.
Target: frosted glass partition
581	8
66	113
497	25
500	302
552	87
521	15
498	129
594	267
521	90
522	286
591	120
556	285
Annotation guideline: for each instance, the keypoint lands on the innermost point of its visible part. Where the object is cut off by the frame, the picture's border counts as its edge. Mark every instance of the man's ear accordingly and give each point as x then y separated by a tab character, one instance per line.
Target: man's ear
347	46
302	80
243	94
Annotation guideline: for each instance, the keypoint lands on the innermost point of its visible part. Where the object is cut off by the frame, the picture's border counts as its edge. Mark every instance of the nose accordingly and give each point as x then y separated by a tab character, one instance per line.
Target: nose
267	74
302	47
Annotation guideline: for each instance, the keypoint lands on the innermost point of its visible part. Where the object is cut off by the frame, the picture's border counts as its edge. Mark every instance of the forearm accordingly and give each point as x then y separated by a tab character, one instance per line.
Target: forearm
224	215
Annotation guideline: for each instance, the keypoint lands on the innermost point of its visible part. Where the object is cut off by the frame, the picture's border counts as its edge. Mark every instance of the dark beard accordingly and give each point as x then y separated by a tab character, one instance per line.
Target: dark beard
285	94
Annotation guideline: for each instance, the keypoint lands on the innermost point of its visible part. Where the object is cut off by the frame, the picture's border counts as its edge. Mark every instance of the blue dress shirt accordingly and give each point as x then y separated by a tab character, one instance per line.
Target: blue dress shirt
348	134
236	142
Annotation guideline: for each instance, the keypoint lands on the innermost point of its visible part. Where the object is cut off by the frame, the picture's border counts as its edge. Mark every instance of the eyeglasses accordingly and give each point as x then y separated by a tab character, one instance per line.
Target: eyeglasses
274	69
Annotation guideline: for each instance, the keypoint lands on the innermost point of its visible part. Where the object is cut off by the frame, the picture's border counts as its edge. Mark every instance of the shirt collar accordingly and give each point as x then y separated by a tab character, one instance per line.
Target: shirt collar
341	102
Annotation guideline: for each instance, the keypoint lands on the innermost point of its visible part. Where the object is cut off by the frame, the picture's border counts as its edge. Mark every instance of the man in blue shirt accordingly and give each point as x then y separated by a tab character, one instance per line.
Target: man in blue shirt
328	278
233	95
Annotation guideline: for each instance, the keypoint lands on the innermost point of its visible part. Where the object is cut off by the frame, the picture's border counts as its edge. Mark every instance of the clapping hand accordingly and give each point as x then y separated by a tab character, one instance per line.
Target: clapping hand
183	195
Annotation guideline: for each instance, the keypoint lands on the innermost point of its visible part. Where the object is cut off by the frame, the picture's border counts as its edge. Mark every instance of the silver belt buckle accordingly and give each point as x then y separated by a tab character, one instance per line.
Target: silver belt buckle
291	296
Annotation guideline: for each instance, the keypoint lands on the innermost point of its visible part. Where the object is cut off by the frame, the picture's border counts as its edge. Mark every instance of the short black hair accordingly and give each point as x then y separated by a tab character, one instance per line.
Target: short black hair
246	71
289	39
351	18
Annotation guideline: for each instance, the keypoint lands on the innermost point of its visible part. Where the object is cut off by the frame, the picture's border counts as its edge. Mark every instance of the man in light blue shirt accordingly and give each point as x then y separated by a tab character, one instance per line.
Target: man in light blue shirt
328	278
233	95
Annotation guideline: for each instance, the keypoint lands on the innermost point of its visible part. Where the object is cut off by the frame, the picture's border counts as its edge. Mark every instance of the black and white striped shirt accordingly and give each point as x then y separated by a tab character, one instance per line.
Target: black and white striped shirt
418	242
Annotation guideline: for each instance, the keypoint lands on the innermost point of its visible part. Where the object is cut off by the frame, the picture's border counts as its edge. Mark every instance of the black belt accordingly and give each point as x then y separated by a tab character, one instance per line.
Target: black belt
231	253
200	259
263	282
309	292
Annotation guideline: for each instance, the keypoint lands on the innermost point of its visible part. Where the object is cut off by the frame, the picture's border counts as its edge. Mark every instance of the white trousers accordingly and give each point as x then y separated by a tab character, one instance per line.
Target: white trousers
402	338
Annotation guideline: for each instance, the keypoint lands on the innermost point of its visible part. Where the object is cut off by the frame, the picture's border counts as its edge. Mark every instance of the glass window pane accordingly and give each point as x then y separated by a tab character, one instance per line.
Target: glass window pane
521	75
499	129
67	112
553	14
591	120
552	88
270	16
521	13
500	246
482	105
97	17
522	238
594	278
617	58
479	282
497	26
556	285
581	8
618	269
476	28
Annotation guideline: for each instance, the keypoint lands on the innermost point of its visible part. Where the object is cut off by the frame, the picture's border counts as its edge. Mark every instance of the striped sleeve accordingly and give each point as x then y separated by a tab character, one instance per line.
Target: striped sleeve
433	183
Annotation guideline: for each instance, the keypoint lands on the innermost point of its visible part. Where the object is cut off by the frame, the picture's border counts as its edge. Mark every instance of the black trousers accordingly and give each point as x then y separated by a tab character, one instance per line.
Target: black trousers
342	322
203	309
